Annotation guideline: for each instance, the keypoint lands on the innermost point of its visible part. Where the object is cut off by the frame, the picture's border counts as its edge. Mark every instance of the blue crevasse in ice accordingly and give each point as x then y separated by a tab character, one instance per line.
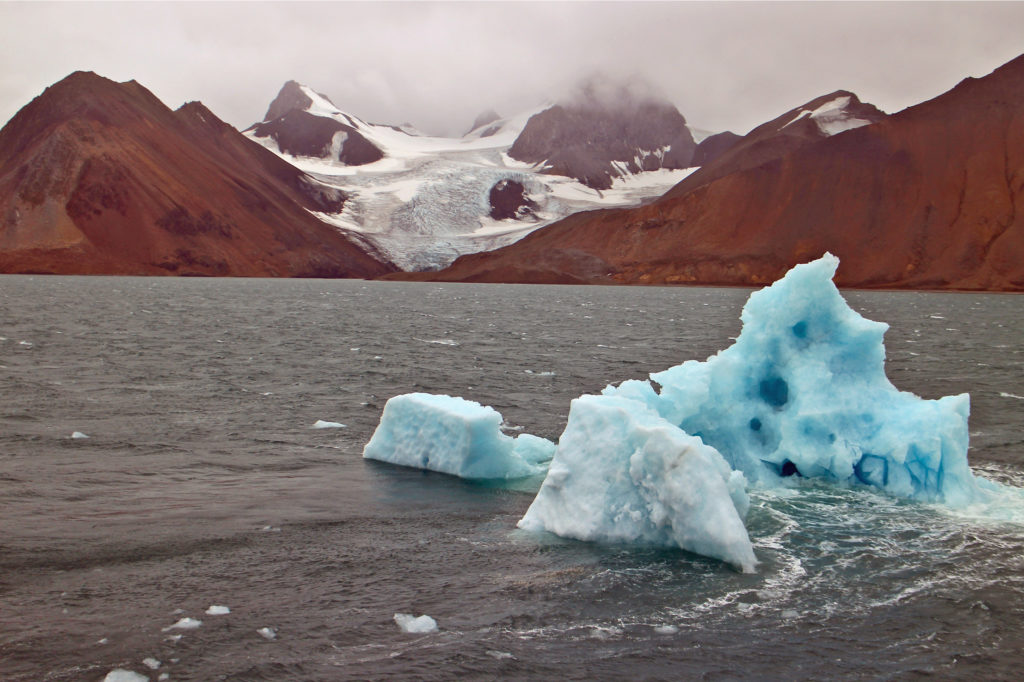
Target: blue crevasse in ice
623	474
454	436
803	392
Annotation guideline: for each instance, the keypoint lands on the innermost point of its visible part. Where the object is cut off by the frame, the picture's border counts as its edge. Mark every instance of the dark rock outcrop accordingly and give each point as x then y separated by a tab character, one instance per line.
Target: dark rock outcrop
509	200
98	177
301	133
930	197
604	131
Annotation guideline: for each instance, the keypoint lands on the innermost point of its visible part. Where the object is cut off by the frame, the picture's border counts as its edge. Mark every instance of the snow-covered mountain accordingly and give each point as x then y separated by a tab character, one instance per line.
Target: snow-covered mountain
425	200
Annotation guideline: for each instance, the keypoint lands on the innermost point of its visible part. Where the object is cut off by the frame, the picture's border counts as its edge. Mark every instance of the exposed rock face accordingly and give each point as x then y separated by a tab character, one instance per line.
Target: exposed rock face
816	120
930	197
710	148
300	133
509	200
604	131
98	177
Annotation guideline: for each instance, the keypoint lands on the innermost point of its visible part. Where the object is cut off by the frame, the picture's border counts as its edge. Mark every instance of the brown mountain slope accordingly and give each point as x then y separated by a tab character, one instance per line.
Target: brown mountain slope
931	197
98	177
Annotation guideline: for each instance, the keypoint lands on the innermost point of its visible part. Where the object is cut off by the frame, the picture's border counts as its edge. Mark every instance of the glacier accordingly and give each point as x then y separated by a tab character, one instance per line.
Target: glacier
454	436
801	394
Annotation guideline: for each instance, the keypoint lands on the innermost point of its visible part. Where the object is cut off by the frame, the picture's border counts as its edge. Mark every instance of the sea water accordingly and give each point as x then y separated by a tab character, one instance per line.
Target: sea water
162	452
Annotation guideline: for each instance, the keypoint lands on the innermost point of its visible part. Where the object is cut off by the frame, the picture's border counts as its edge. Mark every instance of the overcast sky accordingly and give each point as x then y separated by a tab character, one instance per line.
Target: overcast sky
725	65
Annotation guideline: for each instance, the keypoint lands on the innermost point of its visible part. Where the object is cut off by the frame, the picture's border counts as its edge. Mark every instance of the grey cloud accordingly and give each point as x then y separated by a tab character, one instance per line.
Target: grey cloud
437	65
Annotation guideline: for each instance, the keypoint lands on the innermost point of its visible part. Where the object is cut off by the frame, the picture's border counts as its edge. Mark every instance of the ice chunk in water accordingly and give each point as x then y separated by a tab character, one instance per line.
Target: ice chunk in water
411	624
621	473
454	436
803	392
122	675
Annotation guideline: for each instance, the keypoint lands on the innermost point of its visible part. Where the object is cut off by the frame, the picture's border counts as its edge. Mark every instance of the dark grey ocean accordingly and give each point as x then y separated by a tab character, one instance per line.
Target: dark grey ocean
202	483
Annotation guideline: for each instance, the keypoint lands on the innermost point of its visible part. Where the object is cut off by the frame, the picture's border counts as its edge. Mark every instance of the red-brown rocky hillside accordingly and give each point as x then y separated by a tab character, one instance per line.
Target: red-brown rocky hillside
98	177
930	197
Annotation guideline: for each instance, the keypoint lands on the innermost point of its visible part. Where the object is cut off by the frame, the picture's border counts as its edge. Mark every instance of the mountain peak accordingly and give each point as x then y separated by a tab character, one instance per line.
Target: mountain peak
292	97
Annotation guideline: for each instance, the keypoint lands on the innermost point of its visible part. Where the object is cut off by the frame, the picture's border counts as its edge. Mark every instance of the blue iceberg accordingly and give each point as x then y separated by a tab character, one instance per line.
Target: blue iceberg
454	436
803	393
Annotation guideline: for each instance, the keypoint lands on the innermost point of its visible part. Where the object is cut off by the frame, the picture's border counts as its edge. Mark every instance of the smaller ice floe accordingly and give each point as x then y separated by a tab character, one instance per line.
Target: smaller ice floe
122	675
267	633
321	424
218	611
184	624
454	436
666	629
623	474
414	625
78	435
151	663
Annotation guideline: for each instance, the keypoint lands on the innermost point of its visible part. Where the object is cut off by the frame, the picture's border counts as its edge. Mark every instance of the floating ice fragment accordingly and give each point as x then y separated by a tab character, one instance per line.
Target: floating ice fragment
500	655
454	436
1011	395
267	633
163	676
103	641
151	663
413	625
218	611
78	435
666	629
321	424
122	675
621	473
184	624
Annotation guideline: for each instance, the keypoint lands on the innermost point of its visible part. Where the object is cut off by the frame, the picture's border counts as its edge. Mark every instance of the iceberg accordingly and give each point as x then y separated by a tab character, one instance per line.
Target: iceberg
454	436
803	393
623	474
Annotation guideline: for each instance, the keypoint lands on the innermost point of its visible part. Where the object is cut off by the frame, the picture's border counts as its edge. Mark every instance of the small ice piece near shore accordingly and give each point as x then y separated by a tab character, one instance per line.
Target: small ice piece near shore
78	435
218	611
184	624
321	424
267	633
454	436
803	393
622	474
413	625
151	663
122	675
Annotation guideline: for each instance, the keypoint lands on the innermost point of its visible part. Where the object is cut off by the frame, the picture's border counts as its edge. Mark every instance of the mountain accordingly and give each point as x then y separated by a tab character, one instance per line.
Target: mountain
98	177
606	130
816	120
930	197
425	200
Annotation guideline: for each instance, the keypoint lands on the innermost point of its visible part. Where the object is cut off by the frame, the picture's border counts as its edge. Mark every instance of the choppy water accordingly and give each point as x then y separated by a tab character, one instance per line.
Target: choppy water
201	483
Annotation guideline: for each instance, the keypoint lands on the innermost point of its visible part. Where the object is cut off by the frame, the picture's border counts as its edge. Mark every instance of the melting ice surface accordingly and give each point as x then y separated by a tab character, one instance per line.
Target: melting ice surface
454	436
802	393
